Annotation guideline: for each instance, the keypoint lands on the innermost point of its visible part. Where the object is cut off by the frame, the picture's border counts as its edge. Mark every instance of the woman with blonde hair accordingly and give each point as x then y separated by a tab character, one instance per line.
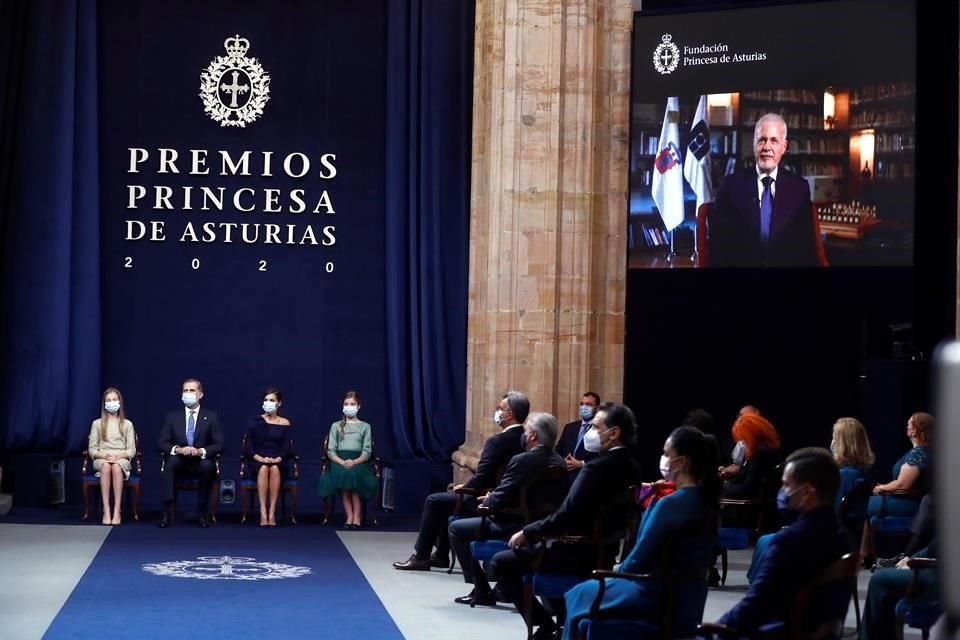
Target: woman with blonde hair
112	445
852	451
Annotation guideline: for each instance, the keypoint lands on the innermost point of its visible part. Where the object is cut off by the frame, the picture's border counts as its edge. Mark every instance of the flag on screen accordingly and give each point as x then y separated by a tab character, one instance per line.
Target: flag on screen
668	169
696	165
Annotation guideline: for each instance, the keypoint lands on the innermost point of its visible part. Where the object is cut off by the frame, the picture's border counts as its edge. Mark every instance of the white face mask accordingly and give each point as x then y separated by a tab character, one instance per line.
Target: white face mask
591	441
350	410
189	399
269	406
112	406
665	468
496	416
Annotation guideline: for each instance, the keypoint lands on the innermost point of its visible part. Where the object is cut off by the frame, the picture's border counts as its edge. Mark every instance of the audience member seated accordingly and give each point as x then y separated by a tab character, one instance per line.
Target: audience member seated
737	453
797	552
349	447
600	481
506	512
112	445
900	497
888	586
191	439
852	452
570	447
761	451
676	534
510	414
268	446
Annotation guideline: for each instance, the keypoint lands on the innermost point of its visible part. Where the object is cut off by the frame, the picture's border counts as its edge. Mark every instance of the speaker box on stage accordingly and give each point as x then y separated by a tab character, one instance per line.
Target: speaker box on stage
228	491
56	490
387	495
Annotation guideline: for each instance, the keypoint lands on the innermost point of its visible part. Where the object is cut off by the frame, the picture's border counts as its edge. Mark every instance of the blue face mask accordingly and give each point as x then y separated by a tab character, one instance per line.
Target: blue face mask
783	500
586	412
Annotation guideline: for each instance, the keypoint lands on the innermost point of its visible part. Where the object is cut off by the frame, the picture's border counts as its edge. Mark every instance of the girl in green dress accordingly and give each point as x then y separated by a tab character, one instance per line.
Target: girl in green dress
349	449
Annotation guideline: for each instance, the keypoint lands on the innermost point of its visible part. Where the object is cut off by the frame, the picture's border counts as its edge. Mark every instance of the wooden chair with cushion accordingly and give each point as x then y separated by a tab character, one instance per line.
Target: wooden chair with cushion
192	483
90	480
325	463
248	483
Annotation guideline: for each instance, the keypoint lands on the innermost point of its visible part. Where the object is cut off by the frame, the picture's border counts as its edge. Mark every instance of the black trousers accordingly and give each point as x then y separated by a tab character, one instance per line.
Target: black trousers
180	466
463	531
437	509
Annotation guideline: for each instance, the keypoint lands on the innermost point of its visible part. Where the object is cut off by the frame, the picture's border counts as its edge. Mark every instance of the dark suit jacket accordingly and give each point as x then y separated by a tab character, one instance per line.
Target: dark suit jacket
602	479
524	468
795	555
748	482
735	224
208	435
497	451
568	443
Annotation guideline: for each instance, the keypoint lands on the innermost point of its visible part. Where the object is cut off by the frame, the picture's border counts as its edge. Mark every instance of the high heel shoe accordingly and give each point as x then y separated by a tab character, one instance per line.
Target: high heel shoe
115	520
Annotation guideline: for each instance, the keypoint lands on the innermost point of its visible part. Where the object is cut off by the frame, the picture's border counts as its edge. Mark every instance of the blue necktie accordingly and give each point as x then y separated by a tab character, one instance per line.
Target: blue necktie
583	432
191	428
766	209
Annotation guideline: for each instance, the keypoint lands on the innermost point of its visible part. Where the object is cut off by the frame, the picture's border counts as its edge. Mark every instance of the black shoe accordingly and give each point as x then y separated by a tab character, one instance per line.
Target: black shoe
869	563
546	632
499	597
164	523
202	521
413	564
473	598
439	561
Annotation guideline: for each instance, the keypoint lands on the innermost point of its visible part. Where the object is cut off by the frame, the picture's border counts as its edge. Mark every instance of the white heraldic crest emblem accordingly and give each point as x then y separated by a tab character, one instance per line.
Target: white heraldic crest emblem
225	568
666	56
234	88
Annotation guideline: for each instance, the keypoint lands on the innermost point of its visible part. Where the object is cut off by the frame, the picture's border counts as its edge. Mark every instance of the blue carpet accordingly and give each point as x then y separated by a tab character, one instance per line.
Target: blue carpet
232	592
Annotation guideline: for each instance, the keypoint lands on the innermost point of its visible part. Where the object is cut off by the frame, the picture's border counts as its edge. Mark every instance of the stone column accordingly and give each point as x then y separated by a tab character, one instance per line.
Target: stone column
548	207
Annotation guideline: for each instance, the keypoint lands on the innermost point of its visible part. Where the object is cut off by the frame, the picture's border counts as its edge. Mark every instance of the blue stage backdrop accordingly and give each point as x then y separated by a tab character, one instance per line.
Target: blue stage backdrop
283	201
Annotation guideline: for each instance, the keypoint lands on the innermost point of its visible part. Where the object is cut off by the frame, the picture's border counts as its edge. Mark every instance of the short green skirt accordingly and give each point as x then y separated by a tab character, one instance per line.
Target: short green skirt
360	478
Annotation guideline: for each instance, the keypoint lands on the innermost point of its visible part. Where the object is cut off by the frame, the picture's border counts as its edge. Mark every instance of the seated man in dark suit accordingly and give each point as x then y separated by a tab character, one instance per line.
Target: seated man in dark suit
602	480
506	512
764	217
438	507
571	447
888	586
797	552
190	438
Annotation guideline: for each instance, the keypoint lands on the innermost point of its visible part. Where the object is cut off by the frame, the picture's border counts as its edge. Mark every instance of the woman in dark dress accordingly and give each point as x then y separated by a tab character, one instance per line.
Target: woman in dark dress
268	446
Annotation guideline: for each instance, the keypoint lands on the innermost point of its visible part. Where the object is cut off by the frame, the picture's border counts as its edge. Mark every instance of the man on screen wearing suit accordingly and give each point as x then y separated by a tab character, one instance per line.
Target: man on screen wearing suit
764	217
570	447
191	438
510	414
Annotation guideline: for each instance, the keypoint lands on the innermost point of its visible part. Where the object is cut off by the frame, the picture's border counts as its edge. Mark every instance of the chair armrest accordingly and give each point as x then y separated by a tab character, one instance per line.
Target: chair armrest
570	539
922	563
722	631
138	462
739	501
295	464
600	574
469	491
86	462
483	510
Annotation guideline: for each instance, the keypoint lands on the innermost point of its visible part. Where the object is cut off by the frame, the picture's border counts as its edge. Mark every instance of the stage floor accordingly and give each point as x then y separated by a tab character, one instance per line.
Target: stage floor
57	580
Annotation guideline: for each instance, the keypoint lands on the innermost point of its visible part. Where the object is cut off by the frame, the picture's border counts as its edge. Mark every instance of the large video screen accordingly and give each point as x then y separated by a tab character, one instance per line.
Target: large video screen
777	136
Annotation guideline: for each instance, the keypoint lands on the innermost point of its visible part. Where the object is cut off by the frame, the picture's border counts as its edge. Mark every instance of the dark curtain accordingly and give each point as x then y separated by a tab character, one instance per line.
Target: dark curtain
429	111
49	223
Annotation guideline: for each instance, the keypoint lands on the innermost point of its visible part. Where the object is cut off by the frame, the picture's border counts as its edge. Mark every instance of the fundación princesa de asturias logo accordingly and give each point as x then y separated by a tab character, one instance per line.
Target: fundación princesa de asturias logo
234	88
666	56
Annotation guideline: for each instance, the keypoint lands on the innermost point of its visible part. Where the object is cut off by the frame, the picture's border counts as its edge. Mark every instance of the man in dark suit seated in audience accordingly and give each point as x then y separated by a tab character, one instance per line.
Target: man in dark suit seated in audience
603	479
571	447
798	552
438	507
506	512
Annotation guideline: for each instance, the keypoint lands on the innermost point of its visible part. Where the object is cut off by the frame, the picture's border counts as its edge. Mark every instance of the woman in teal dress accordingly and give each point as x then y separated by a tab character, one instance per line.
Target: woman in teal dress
678	533
912	473
349	449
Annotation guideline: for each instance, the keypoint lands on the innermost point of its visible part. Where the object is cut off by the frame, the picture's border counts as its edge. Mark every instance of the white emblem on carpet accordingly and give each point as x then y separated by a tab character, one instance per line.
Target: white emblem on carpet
225	568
